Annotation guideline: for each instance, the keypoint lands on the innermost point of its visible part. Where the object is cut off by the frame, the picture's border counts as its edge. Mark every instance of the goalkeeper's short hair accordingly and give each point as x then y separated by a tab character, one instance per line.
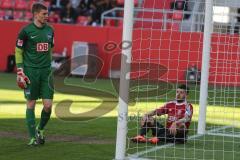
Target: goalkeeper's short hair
38	6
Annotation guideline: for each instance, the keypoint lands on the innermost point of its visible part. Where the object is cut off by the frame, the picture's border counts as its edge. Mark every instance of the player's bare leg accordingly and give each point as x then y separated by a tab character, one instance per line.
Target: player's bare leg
30	118
45	116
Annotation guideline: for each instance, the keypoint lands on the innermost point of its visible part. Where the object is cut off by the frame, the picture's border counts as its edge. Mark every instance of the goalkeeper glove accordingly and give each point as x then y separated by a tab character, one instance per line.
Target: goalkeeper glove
22	79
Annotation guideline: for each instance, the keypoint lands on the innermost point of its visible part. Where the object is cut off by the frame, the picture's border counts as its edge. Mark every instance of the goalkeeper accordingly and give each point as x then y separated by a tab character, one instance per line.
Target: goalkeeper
179	118
33	58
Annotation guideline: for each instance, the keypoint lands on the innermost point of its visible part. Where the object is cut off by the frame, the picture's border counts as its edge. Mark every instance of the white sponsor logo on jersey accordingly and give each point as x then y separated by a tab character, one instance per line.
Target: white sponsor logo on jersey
42	47
172	118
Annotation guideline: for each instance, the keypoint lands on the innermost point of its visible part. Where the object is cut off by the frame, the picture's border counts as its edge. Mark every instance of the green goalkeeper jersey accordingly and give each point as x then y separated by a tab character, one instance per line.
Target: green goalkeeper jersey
37	44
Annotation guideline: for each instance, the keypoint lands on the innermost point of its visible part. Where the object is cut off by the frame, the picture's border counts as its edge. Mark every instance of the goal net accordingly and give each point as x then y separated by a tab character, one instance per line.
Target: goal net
168	45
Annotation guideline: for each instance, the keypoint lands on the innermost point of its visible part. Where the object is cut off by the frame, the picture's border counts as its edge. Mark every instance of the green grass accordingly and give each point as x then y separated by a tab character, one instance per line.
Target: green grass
96	136
16	149
205	148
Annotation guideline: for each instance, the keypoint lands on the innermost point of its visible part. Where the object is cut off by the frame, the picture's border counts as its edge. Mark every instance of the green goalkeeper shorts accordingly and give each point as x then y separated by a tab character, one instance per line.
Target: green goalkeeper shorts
41	83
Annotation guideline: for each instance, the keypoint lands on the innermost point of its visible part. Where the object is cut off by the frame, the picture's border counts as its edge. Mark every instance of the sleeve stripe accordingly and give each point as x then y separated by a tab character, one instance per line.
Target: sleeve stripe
188	110
19	56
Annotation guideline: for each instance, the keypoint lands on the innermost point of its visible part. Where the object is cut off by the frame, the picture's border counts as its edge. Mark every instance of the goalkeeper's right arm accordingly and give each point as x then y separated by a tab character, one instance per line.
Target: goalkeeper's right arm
22	79
19	57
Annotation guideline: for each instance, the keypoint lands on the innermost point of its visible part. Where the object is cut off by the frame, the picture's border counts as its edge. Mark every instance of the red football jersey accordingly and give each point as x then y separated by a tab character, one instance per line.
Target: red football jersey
176	111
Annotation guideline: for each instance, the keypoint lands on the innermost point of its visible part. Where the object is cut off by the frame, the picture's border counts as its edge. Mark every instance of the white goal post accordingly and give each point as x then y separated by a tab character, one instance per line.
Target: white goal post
124	81
208	28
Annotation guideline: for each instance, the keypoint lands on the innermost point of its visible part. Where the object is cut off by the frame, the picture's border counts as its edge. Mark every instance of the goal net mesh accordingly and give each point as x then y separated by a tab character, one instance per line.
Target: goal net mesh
167	51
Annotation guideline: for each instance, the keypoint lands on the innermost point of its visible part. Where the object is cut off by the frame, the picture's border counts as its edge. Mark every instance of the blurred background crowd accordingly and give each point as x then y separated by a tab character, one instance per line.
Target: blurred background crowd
84	12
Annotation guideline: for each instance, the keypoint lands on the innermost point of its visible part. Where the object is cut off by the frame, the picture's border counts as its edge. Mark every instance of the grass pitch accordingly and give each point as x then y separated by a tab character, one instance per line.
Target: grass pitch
94	139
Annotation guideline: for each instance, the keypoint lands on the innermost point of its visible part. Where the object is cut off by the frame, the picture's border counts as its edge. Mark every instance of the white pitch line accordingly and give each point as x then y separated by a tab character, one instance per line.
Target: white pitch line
139	159
224	135
217	129
135	156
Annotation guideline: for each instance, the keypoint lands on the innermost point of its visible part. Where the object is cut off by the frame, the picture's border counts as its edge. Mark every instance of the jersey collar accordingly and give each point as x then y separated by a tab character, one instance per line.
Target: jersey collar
39	27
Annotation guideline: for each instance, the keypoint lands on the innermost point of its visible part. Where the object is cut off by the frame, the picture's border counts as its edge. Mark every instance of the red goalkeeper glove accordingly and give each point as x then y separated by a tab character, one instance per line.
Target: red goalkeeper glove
22	79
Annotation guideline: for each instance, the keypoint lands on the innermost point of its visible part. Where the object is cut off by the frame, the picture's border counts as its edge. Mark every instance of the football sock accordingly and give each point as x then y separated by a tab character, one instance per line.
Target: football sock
45	116
30	118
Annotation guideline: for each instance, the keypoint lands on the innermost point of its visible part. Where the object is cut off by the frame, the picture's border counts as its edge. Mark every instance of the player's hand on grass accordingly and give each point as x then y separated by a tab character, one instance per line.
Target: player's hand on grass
22	79
173	128
143	120
146	119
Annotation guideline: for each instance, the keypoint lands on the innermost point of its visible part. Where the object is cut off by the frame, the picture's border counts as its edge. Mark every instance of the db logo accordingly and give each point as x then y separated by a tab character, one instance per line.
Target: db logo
42	47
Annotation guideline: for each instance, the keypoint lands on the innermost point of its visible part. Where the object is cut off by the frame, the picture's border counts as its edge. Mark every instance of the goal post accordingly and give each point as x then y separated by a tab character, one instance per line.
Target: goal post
124	80
208	28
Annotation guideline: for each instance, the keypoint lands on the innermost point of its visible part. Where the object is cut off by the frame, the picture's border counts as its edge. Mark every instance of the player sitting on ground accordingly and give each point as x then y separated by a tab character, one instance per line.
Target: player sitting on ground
179	118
